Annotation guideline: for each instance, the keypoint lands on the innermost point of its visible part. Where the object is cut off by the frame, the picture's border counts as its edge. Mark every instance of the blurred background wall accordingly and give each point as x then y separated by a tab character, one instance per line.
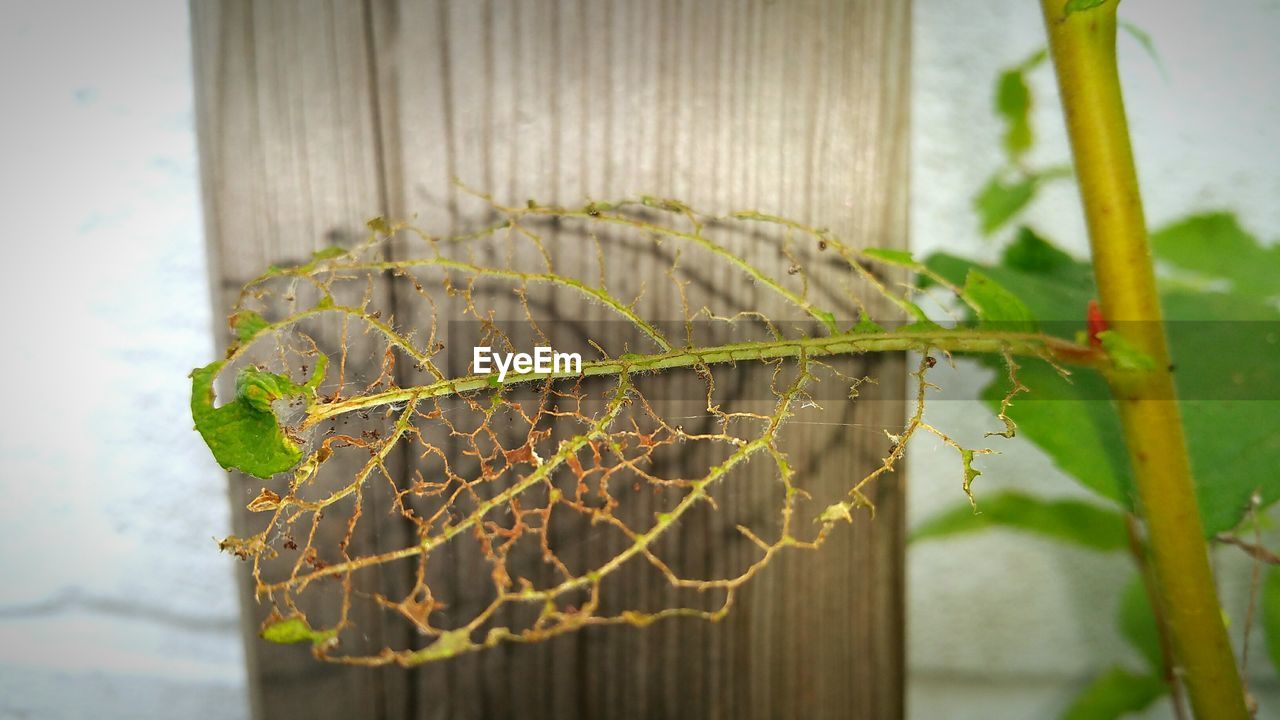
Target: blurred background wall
114	599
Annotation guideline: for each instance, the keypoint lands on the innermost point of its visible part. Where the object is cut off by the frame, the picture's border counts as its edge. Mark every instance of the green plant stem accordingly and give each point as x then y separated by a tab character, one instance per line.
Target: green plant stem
1083	47
1138	550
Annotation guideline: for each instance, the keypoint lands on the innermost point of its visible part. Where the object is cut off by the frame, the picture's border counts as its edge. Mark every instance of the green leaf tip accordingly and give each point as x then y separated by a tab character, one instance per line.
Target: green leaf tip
837	511
380	225
245	434
1115	694
328	253
828	318
1123	354
246	323
891	256
866	325
293	629
449	644
994	304
1074	6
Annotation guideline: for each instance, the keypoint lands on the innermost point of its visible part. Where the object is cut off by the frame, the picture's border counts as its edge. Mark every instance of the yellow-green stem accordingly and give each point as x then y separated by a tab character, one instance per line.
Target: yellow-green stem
1082	44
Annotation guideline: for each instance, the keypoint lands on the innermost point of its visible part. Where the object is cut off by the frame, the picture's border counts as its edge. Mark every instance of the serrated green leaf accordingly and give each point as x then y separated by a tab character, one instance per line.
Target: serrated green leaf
994	305
293	629
1072	521
1137	624
245	434
1114	694
1270	607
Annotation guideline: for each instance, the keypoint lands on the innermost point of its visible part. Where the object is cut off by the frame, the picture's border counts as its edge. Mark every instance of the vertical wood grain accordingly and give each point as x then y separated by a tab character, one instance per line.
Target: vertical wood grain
289	164
315	116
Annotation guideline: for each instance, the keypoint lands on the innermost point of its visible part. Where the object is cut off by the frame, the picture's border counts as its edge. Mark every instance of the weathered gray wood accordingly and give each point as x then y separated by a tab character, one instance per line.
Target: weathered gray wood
289	164
316	116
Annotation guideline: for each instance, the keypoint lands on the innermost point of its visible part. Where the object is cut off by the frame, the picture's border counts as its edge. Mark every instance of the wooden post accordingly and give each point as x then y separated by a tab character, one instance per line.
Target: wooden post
315	116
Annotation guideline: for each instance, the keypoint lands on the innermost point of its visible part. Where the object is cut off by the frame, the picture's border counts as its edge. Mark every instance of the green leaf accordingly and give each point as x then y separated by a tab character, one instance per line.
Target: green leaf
866	325
246	324
1144	39
1213	246
1138	624
1078	428
1051	284
245	434
1233	446
1072	422
995	305
449	644
1031	253
999	200
1270	607
293	629
893	257
837	511
1228	376
381	226
1074	6
1114	694
1013	103
1123	354
328	253
924	325
1072	521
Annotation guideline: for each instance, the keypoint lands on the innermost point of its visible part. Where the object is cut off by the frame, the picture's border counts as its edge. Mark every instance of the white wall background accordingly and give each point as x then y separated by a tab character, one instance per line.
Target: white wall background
113	597
1004	625
114	602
